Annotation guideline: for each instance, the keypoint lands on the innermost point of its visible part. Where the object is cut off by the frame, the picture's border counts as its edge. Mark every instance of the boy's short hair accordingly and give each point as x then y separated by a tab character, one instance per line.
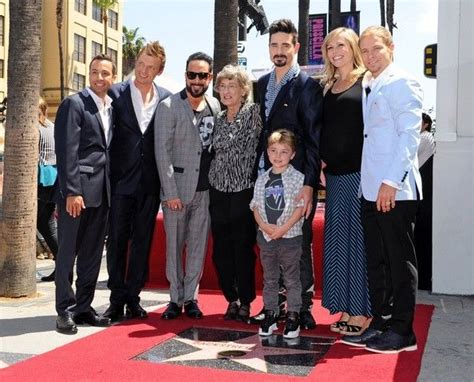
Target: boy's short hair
284	137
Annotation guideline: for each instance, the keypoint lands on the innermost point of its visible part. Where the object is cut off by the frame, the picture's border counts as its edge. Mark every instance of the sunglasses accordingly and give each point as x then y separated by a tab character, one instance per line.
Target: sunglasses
201	76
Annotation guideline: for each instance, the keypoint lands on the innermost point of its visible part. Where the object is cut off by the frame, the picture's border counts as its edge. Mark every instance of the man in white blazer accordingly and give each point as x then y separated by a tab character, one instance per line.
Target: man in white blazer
390	189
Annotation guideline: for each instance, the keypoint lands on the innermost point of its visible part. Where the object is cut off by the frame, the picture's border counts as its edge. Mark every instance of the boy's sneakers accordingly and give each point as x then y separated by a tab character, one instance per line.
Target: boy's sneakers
269	323
292	326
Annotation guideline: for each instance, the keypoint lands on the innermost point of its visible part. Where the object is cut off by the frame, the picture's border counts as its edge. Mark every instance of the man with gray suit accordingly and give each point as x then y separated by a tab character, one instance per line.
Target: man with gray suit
183	139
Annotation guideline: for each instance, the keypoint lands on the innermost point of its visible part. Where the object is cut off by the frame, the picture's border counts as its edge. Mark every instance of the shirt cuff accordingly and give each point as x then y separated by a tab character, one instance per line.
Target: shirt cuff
392	184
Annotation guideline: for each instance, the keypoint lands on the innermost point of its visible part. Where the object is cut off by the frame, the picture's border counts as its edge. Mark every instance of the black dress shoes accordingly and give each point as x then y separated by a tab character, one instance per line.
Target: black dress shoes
65	324
91	318
306	320
391	342
114	312
136	311
192	310
361	340
171	312
49	277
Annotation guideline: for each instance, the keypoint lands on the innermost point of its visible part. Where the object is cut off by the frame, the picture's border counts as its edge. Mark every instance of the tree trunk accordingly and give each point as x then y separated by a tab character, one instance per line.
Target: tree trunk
225	33
334	14
390	12
303	17
105	20
353	5
18	225
382	13
59	24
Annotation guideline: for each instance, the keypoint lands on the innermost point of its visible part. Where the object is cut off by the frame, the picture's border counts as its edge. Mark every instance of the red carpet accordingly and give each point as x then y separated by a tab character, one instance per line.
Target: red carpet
106	356
157	276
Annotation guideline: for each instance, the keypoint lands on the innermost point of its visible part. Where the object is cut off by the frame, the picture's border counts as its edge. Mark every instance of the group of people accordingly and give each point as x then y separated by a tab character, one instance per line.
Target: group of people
249	174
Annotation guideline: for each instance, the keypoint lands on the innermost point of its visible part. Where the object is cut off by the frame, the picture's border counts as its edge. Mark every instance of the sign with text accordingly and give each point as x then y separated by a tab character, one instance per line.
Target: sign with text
316	33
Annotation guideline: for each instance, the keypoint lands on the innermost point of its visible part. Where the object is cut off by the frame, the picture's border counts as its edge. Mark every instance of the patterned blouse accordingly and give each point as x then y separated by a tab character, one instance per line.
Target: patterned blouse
235	146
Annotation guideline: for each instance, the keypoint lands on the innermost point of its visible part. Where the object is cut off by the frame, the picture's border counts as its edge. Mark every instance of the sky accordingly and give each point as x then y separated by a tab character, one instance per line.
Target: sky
186	26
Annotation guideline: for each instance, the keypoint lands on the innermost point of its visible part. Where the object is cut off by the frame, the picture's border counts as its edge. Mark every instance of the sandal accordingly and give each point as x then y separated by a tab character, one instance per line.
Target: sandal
337	326
352	330
232	310
244	313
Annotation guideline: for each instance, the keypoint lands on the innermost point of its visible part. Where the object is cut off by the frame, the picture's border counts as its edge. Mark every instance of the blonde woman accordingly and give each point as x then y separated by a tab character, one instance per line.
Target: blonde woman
345	288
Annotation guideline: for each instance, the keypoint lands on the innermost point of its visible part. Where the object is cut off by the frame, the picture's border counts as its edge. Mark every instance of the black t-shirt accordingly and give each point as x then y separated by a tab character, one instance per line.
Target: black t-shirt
274	198
205	126
342	131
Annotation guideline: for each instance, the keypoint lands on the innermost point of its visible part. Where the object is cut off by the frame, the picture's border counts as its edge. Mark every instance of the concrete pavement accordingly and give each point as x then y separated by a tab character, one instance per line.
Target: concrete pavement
27	327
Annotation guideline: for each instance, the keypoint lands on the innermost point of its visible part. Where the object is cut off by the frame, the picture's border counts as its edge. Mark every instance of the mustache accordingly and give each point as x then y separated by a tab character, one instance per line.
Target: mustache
279	56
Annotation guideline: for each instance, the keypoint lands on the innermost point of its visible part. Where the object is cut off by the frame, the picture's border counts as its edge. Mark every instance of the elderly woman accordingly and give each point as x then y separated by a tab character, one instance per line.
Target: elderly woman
345	288
236	133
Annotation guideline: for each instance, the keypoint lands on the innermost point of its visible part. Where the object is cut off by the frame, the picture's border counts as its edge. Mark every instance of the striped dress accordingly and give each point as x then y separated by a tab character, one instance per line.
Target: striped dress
345	285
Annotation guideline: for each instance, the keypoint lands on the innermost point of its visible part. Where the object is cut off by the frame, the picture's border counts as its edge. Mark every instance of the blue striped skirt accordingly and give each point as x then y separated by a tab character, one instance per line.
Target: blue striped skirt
345	286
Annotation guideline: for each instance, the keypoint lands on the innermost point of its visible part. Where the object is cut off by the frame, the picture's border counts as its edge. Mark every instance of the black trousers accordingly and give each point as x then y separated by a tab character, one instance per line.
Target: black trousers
391	264
46	222
83	237
131	225
234	236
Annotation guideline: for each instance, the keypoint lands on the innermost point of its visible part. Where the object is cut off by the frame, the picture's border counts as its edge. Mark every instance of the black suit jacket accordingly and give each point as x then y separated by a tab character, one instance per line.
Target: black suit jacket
298	108
133	165
81	151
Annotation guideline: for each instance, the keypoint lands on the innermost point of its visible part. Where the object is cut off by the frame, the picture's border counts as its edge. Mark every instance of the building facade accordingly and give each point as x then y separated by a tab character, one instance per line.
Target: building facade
82	35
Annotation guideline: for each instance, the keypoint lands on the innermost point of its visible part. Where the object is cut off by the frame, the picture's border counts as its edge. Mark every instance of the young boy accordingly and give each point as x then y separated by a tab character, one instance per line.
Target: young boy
280	221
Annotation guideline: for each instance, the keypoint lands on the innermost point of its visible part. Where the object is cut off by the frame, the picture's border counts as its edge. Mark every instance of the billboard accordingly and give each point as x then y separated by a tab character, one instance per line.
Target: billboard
316	33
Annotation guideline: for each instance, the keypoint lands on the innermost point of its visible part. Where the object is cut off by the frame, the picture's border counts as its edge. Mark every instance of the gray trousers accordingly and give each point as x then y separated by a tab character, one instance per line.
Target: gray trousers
189	227
275	255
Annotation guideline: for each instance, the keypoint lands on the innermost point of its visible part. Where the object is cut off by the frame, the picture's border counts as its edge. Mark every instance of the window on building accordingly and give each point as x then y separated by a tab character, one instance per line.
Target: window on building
113	19
112	53
79	48
96	49
2	74
96	13
78	81
80	6
2	30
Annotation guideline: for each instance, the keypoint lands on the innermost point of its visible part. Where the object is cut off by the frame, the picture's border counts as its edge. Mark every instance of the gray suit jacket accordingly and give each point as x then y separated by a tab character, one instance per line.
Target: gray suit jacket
178	147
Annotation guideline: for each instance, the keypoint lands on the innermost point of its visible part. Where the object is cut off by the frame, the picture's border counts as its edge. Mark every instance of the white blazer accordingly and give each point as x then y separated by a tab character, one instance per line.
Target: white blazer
392	125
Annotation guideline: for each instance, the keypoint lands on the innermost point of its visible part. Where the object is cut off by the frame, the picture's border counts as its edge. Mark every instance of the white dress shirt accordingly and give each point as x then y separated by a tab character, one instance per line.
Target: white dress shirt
105	110
144	113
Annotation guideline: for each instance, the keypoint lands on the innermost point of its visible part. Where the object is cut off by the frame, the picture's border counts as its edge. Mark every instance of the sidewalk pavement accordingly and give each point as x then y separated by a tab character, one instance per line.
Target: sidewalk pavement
27	327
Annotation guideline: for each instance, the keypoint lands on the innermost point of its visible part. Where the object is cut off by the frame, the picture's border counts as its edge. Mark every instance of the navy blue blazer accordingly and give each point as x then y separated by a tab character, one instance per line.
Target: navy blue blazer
81	151
132	153
298	108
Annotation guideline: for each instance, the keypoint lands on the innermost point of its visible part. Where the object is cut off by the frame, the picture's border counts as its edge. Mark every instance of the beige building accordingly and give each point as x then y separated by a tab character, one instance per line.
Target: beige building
82	38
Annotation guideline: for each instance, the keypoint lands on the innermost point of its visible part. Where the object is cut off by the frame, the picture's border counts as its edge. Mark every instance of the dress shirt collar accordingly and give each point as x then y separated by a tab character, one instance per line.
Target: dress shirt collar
102	104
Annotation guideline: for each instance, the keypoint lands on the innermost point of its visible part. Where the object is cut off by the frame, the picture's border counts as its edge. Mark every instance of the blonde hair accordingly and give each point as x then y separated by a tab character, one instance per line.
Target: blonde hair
43	107
329	71
283	137
380	32
235	72
154	49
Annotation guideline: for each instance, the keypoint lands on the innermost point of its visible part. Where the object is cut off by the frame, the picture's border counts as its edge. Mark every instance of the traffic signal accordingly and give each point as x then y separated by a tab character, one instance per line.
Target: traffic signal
430	58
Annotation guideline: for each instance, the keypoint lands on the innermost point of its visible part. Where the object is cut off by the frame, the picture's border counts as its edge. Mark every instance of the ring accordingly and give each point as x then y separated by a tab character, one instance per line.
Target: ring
387	203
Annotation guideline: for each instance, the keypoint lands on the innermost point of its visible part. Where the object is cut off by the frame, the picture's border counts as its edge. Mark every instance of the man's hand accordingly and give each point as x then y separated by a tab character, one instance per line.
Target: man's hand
175	204
306	194
74	205
386	198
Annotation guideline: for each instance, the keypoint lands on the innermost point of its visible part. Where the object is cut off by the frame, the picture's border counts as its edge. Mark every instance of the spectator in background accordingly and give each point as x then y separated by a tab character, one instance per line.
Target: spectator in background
47	174
345	288
236	134
424	215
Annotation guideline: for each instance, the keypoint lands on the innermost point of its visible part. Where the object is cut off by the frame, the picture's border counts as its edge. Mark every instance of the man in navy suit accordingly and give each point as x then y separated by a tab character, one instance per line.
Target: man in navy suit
82	135
135	182
390	188
290	99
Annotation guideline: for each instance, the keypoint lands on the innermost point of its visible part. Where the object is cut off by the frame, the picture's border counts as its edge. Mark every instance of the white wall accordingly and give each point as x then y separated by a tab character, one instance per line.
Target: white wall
453	178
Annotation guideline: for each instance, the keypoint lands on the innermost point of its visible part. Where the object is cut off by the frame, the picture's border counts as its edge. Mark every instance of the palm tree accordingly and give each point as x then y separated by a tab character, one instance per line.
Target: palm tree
303	16
131	46
226	14
334	14
18	224
59	25
353	6
390	12
382	13
105	5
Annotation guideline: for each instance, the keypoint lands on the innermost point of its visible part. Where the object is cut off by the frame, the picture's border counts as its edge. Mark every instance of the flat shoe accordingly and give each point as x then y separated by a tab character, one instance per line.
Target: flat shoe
337	326
352	330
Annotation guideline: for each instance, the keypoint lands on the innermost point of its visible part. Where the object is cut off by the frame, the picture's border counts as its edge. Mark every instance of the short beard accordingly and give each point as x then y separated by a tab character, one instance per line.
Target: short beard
278	62
196	95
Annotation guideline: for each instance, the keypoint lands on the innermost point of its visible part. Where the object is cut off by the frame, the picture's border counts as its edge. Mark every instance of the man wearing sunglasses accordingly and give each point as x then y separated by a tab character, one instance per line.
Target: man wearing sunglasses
290	99
183	139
